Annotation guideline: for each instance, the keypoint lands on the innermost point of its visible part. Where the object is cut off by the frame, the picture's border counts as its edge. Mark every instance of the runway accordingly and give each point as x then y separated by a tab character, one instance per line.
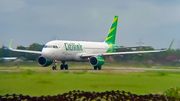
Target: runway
82	69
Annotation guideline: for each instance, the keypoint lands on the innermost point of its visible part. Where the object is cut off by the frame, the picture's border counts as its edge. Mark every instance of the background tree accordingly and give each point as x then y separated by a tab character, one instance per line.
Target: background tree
34	47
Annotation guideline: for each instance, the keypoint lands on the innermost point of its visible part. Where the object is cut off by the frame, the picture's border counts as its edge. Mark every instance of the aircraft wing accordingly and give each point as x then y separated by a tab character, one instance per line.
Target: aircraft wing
121	53
129	52
130	47
26	51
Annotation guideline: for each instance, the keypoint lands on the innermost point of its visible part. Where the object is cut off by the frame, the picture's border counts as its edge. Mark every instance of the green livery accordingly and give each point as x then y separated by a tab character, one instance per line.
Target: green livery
170	47
100	61
112	48
111	38
73	47
112	33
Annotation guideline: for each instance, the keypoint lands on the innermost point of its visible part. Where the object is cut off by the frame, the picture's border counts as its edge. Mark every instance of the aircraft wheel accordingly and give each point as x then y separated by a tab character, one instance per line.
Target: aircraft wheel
66	67
54	68
62	67
99	68
95	68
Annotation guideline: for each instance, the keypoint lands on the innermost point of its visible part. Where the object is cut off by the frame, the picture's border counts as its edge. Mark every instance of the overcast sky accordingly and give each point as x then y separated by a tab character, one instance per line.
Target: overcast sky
155	22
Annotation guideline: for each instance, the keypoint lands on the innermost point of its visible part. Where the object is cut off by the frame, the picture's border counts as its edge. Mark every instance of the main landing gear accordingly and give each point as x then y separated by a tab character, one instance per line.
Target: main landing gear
97	67
63	66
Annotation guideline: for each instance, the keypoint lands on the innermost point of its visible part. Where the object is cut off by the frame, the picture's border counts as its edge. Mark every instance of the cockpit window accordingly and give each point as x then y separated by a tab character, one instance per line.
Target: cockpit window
55	47
51	46
47	46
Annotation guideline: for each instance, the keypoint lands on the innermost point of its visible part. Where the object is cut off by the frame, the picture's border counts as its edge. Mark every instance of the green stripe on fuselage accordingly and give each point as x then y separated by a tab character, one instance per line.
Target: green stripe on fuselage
112	48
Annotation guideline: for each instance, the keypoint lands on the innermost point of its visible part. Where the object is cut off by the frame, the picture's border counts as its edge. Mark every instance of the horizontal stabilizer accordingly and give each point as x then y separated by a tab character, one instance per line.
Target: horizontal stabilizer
171	45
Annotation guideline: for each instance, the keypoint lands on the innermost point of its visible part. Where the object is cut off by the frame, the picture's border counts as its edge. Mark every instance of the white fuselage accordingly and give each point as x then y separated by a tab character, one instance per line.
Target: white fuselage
72	50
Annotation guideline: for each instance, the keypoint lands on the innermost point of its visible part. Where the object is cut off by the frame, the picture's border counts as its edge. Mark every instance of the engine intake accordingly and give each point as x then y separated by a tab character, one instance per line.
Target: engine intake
96	61
44	62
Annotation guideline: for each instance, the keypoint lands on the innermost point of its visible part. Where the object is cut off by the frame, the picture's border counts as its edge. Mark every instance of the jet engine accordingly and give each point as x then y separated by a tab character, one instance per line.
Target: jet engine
96	61
44	62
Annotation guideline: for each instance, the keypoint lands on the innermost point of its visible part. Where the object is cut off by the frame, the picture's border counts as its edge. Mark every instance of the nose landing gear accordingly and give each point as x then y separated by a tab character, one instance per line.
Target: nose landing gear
63	65
54	68
55	65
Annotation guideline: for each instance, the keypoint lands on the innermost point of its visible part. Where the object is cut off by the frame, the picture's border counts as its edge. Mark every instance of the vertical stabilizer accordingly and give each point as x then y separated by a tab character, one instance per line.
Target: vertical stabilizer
10	44
112	32
171	45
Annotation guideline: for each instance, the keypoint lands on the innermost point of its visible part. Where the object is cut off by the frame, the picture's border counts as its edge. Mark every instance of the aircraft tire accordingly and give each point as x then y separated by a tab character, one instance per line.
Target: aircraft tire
66	67
95	68
54	68
62	67
99	68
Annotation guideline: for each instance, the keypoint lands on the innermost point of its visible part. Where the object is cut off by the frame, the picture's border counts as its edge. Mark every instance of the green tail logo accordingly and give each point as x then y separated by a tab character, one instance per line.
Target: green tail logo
10	45
170	47
112	33
111	38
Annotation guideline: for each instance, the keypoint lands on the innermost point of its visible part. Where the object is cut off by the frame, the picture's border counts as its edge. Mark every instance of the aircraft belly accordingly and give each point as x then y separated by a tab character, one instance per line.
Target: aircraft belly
60	57
69	55
73	56
56	56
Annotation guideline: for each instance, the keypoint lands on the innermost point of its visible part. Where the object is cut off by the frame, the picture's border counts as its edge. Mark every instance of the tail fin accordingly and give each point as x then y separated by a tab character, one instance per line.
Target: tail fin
10	44
171	45
112	33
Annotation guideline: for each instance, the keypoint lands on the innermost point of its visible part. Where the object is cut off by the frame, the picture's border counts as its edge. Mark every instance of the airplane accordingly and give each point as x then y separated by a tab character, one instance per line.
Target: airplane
94	52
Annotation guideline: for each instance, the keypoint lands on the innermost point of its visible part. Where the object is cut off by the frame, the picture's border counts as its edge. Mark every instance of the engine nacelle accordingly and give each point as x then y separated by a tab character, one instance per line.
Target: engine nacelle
44	62
96	61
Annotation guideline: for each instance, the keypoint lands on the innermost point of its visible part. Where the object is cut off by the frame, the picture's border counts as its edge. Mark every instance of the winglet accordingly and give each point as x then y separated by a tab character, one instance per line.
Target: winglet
10	45
171	45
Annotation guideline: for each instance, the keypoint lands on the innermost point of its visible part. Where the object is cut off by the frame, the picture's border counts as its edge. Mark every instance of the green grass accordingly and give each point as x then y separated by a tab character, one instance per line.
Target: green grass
52	83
